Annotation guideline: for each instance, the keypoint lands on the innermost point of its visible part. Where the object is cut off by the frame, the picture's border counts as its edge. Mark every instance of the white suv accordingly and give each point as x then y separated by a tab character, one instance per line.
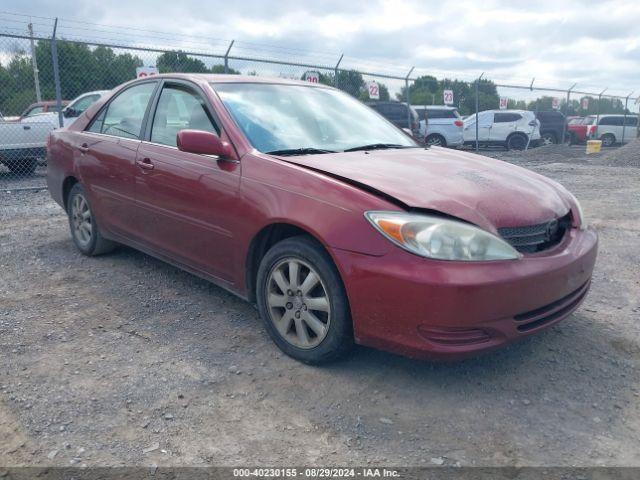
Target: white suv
513	129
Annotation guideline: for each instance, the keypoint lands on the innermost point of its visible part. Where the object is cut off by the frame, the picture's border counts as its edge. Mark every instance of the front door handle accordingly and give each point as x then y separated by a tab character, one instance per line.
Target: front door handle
84	148
145	163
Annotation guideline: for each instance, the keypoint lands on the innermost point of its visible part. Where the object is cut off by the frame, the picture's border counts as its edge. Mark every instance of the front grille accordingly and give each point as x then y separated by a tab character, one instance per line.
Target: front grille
536	238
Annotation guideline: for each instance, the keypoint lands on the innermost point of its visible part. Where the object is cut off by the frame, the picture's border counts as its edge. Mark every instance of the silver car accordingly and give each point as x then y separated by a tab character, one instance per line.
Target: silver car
440	125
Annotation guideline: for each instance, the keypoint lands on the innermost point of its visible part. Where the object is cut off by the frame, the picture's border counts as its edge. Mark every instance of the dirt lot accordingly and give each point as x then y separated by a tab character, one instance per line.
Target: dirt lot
123	360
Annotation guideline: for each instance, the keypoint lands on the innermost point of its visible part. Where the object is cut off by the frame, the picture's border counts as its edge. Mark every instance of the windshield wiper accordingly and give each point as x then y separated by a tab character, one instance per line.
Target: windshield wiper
299	151
376	146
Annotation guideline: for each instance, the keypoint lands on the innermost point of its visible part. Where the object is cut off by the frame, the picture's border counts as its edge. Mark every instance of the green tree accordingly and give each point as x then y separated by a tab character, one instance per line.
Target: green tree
172	62
220	69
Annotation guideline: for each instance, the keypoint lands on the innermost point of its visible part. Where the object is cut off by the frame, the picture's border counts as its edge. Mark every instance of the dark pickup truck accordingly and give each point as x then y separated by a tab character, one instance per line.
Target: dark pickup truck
551	126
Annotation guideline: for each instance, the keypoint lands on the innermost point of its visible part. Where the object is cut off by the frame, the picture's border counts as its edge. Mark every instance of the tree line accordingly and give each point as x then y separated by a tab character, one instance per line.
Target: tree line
84	69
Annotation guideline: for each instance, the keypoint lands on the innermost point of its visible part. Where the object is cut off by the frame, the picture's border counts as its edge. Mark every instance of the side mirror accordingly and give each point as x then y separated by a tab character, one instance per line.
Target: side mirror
69	113
204	143
407	131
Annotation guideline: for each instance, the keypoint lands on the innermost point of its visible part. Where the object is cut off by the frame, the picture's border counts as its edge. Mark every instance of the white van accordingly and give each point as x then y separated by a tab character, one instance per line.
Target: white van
611	128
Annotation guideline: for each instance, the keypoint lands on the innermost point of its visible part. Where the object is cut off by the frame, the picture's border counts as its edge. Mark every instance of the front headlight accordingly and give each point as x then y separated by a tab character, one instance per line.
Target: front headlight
440	238
582	222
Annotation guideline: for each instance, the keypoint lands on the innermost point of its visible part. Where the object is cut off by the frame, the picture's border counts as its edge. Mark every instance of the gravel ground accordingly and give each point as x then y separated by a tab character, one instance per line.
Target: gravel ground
124	360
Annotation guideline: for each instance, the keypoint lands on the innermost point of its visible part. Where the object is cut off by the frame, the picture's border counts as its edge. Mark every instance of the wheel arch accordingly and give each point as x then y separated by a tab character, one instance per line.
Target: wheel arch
67	185
263	240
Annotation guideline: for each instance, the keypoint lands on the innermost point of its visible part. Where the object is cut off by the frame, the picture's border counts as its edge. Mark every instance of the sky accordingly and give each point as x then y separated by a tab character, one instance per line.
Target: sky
561	42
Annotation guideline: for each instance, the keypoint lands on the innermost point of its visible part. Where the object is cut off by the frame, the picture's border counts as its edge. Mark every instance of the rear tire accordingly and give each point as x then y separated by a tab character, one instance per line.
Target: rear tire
435	140
608	140
84	228
302	301
516	141
548	138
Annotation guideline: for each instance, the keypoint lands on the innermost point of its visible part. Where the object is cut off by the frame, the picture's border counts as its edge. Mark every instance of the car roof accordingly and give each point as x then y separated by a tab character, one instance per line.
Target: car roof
231	78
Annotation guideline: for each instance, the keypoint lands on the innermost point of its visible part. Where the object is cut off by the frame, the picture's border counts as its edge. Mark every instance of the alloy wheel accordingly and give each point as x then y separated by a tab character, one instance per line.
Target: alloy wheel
81	220
434	141
298	303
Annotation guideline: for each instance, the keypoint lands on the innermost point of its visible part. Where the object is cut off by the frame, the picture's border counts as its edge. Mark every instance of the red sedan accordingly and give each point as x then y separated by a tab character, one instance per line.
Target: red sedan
301	199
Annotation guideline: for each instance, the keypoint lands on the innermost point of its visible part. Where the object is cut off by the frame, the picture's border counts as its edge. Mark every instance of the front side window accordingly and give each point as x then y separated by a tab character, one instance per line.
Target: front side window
124	115
278	117
179	108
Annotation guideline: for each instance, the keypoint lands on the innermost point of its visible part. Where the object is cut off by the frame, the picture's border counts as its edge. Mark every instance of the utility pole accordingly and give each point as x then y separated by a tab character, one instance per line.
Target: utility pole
34	63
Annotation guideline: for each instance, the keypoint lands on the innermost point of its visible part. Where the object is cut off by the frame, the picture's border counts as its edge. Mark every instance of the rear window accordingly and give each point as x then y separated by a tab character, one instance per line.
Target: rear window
442	113
576	121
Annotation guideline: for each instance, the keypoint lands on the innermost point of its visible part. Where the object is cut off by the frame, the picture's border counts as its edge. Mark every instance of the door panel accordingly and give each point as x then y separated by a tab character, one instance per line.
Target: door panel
185	203
107	170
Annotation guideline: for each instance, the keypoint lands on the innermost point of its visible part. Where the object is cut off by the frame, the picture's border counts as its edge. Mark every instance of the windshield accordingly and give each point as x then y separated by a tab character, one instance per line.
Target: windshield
297	117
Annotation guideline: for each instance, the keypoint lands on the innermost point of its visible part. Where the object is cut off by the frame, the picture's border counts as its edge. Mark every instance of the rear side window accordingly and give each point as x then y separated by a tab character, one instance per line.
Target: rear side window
124	114
632	122
179	108
612	121
506	117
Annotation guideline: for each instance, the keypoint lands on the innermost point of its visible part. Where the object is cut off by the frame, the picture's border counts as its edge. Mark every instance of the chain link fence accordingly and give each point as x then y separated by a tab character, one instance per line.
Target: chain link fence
47	82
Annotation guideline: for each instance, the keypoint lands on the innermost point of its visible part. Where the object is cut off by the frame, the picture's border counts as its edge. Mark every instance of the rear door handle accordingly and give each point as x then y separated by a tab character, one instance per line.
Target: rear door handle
26	127
84	148
145	163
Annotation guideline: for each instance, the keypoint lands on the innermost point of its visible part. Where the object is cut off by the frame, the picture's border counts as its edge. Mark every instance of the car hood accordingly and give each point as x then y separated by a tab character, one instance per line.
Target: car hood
487	192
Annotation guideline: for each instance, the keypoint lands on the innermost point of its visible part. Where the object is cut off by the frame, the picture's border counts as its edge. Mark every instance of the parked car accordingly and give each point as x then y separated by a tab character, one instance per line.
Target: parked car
580	129
48	106
552	123
22	144
610	129
440	125
73	110
338	225
396	113
513	129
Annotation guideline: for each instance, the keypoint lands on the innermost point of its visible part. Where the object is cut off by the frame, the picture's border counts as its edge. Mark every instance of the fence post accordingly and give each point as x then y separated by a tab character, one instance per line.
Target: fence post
477	108
408	96
34	63
598	109
56	73
624	119
566	113
226	57
335	71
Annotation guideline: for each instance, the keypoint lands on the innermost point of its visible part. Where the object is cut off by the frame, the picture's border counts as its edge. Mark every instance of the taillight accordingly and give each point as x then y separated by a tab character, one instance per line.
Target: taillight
48	144
458	123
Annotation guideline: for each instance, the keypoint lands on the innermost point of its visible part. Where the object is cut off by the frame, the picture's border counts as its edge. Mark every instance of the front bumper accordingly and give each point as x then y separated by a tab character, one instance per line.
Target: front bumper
430	309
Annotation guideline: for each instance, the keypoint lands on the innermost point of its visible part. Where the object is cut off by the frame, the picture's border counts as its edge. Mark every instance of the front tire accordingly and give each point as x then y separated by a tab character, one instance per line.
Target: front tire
84	228
303	303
